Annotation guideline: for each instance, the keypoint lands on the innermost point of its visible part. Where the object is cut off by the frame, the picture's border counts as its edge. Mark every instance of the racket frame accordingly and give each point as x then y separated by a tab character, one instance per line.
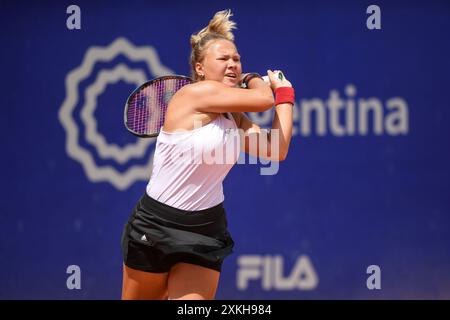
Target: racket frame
135	91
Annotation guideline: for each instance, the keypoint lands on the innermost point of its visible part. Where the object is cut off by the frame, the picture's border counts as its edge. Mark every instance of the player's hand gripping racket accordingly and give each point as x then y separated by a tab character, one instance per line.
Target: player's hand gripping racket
146	107
279	74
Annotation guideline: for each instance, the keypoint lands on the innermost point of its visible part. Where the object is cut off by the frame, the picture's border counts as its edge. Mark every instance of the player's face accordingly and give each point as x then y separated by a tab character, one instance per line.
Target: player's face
222	63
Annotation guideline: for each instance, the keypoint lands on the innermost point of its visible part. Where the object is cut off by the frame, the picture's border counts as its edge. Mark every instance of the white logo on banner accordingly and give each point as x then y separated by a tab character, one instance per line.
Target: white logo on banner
105	77
269	272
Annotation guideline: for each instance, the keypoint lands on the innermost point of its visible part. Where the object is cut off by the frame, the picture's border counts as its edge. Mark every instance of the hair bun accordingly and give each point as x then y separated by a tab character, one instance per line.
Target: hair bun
220	24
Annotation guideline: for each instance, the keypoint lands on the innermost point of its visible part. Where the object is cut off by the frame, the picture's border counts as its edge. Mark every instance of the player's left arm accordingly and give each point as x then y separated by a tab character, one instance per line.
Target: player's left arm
271	144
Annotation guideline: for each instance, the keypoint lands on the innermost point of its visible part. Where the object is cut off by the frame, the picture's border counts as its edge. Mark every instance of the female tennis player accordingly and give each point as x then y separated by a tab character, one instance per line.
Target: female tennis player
176	239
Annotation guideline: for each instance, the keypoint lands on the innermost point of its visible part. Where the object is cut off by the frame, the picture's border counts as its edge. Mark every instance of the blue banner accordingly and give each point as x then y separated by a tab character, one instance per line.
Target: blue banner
360	209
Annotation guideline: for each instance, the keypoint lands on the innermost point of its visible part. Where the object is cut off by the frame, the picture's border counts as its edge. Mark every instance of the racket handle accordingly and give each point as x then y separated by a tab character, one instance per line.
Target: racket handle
267	80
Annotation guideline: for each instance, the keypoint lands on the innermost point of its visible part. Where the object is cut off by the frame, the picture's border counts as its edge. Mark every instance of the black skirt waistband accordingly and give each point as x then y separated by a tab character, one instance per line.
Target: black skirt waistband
179	216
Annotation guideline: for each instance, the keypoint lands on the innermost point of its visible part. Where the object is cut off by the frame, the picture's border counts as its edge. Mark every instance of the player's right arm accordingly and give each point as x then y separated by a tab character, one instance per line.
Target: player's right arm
213	96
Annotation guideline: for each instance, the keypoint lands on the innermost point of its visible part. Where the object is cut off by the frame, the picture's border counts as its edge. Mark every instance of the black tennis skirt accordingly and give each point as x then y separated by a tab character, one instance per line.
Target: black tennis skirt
158	236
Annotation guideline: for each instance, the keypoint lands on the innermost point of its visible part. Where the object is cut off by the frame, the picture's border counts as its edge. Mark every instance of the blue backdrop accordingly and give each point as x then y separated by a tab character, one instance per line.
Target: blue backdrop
366	181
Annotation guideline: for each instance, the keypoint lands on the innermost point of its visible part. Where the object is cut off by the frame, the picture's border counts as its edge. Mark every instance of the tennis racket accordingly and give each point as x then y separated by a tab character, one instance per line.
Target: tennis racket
146	106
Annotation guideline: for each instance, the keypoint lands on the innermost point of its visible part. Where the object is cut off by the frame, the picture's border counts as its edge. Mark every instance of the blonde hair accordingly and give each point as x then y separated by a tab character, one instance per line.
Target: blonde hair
219	27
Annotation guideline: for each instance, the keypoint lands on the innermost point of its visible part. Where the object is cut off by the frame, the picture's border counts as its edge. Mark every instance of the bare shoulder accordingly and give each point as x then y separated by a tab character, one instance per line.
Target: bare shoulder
188	94
182	110
201	88
196	95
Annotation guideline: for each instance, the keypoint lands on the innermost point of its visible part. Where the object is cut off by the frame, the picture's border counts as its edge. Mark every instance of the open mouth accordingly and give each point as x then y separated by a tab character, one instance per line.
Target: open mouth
231	75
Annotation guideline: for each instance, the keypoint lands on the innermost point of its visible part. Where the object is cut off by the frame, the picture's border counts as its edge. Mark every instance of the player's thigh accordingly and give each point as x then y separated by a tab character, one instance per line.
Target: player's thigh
141	285
192	282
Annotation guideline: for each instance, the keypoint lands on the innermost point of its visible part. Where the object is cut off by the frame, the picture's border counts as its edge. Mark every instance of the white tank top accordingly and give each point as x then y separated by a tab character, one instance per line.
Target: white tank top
190	166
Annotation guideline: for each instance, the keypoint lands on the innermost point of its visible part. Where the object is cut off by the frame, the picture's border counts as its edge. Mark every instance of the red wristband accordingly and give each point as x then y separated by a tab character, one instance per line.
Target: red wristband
284	95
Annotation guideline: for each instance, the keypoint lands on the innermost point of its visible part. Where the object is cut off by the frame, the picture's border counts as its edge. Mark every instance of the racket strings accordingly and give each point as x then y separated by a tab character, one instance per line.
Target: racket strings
148	105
